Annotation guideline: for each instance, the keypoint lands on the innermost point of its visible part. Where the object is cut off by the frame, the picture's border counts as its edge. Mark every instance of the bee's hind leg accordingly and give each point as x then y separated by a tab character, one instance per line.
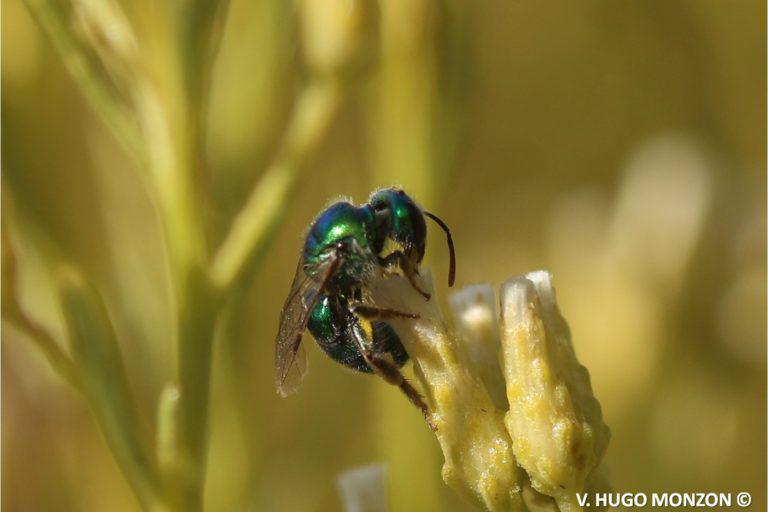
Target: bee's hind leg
375	313
388	371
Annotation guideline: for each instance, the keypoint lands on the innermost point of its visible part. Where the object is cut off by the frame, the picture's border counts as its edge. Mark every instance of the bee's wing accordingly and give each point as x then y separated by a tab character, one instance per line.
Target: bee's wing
290	360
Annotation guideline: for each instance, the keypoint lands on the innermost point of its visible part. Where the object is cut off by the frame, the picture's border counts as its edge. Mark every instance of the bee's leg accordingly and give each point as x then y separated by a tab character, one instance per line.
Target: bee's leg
374	313
388	371
399	257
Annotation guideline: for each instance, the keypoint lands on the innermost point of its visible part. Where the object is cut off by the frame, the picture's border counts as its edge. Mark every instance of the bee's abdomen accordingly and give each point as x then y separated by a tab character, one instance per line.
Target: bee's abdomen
329	323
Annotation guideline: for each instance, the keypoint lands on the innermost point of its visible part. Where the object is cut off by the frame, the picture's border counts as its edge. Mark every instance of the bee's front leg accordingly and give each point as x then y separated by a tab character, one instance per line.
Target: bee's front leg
399	259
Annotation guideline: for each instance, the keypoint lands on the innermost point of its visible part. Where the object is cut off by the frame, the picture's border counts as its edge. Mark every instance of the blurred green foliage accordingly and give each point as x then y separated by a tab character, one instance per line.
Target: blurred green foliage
620	145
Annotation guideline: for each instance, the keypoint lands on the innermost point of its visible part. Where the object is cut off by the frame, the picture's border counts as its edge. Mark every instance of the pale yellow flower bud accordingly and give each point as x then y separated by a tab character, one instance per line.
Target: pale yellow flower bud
549	423
555	421
479	462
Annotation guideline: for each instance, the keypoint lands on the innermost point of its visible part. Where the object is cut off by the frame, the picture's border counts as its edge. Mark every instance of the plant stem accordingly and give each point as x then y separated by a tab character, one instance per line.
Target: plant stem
197	320
177	175
174	113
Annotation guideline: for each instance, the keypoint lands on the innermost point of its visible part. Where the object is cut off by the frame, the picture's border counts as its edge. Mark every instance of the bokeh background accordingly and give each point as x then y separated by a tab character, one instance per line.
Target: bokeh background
620	145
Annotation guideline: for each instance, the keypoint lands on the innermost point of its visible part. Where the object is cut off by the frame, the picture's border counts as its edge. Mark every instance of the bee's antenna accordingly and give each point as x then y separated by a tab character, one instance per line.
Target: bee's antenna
452	266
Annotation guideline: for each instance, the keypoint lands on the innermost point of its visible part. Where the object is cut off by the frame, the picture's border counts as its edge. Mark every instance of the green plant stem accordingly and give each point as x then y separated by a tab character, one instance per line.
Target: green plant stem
174	106
92	79
197	320
196	306
167	136
173	101
313	114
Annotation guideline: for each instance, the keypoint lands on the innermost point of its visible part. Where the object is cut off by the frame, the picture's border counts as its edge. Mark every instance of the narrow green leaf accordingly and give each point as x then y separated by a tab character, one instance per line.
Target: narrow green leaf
104	382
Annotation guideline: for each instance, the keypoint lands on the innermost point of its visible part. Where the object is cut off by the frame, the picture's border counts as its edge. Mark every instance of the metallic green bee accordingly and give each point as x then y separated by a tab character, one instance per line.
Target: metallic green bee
344	249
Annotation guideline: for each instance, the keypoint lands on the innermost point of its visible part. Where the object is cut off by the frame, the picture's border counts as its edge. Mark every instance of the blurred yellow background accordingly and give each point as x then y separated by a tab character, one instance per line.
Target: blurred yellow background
620	145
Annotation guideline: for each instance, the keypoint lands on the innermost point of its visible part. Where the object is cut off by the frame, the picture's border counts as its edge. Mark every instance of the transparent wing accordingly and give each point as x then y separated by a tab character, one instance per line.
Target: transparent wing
290	360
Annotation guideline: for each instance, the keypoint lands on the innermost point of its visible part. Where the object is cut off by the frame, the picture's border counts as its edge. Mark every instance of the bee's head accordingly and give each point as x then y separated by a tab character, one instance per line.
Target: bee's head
400	219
